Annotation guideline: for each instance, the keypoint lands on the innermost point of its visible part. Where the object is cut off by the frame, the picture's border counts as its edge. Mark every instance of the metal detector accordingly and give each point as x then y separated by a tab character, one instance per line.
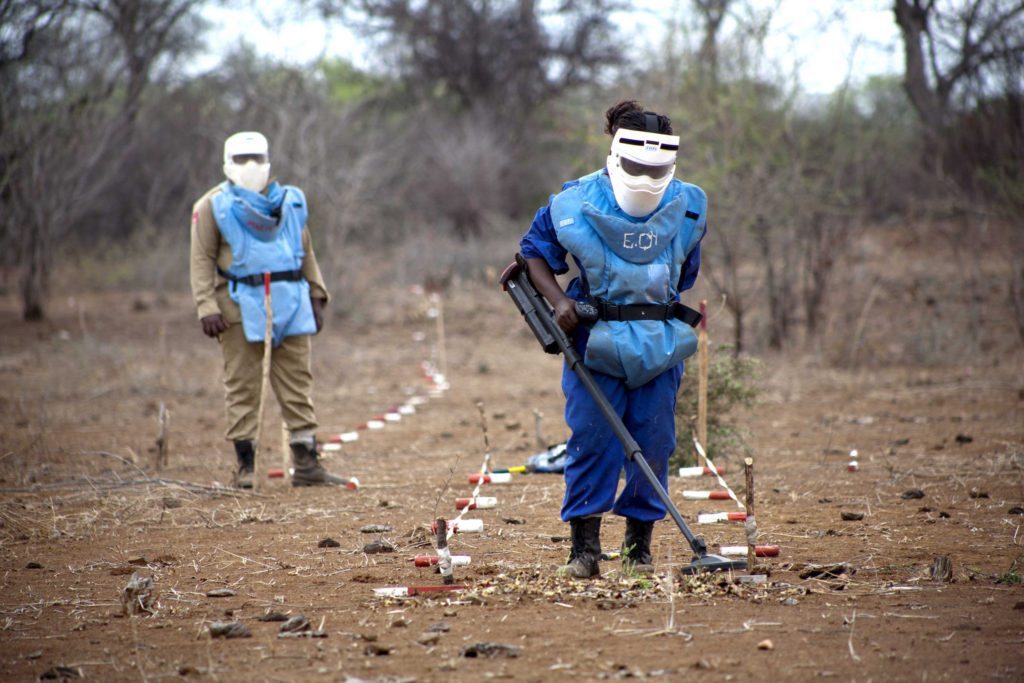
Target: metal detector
540	319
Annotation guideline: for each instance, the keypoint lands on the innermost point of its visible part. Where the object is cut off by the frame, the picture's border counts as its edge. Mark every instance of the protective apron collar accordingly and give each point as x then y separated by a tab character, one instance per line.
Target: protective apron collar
640	167
259	213
638	242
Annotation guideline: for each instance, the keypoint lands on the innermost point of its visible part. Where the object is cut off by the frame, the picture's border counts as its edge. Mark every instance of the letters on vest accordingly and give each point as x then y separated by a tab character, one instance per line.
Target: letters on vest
632	261
256	250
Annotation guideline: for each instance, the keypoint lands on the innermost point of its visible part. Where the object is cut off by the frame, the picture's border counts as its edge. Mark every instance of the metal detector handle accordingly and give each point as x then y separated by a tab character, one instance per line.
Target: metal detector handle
517	283
587	312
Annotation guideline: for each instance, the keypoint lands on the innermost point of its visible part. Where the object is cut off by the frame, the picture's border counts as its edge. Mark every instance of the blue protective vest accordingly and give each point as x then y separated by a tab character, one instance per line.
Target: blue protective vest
632	261
256	249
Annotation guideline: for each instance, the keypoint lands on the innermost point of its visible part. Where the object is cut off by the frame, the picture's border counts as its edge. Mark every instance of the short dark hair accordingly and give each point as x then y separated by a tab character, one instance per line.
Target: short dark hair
630	114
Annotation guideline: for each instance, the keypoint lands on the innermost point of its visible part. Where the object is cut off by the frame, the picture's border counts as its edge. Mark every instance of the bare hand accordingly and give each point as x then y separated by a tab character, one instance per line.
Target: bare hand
565	314
318	312
214	325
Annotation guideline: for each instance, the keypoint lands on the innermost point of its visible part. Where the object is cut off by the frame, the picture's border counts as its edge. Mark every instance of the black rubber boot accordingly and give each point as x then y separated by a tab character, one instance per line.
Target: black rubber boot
309	471
636	547
246	464
586	548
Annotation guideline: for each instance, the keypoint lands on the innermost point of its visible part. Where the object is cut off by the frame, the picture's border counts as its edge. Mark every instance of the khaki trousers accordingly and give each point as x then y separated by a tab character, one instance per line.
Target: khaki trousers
290	378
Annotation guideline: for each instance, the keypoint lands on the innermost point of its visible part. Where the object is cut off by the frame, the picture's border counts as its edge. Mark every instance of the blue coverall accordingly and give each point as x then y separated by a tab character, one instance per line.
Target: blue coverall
594	455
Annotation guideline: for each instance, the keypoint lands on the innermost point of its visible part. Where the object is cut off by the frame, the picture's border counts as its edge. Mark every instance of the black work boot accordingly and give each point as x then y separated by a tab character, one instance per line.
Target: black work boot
586	548
246	464
309	471
636	547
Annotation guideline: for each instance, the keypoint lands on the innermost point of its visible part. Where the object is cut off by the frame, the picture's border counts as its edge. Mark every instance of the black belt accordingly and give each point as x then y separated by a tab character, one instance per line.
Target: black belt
257	279
672	311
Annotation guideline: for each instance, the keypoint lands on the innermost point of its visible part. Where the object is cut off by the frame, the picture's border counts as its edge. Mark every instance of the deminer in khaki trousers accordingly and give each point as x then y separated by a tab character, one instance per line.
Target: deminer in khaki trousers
242	228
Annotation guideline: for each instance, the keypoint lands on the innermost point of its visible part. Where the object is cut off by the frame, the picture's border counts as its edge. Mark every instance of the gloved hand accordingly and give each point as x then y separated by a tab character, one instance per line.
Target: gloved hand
214	325
565	314
318	312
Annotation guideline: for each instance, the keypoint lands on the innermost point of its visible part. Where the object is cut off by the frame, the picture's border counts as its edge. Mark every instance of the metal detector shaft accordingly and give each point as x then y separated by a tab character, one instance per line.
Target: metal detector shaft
516	282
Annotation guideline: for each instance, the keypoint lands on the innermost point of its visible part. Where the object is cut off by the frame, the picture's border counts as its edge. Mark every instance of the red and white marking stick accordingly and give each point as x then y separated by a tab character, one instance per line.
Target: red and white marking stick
478	503
699	471
372	424
344	437
275	473
491	478
352	484
392	417
462	526
431	560
716	517
759	550
706	495
407	591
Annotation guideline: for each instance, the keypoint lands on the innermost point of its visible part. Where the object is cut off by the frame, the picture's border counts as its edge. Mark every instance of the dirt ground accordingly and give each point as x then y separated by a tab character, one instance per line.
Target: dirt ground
83	507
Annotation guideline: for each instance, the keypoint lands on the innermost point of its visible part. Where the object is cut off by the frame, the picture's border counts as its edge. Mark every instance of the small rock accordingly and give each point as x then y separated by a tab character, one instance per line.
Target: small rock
490	650
375	650
1016	510
790	602
428	638
33	565
978	493
380	546
220	593
513	520
766	644
376	529
229	629
964	438
911	494
440	627
449	613
851	516
399	622
188	670
295	624
272	616
60	673
328	543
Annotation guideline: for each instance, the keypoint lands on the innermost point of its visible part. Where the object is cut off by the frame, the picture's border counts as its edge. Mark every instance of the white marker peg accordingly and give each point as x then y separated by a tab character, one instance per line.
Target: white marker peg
716	517
348	437
491	478
431	560
329	447
375	424
699	471
759	550
462	526
393	417
706	495
478	503
407	409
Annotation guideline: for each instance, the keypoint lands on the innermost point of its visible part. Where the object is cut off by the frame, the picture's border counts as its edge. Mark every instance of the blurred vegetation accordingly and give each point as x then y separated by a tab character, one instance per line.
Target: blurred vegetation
427	164
732	383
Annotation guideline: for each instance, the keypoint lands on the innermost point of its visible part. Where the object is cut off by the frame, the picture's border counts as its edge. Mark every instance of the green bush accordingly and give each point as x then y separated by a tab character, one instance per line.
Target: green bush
731	383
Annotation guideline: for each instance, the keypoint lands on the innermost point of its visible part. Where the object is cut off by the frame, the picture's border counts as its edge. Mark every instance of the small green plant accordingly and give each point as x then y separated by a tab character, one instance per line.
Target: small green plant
731	383
1011	578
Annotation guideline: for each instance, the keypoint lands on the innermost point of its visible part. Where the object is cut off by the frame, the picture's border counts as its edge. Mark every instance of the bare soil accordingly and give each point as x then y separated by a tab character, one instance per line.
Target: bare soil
84	507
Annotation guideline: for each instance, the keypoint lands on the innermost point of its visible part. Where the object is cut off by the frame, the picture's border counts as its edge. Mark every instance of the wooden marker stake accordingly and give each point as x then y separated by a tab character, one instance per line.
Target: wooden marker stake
259	468
748	470
702	383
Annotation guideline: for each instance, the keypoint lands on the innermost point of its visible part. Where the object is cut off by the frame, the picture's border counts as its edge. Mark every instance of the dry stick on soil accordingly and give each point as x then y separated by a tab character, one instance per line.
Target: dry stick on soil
538	418
161	439
259	468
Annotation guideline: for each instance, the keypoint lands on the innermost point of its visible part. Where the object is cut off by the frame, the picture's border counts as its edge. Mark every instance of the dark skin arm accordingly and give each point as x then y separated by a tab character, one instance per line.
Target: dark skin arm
544	280
215	325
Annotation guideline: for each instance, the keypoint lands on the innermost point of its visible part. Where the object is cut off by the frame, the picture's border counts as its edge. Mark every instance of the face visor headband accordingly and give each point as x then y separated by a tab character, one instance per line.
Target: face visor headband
641	153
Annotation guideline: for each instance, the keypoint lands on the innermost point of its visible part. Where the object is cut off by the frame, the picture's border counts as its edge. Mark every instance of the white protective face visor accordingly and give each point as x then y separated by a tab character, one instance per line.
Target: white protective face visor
247	160
640	167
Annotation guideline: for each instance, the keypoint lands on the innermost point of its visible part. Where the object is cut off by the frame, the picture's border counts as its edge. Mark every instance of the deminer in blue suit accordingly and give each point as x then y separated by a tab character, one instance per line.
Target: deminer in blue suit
634	231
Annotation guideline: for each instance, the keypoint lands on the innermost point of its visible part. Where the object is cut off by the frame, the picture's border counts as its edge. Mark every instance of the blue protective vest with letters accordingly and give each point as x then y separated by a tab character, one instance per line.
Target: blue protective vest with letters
255	249
632	261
